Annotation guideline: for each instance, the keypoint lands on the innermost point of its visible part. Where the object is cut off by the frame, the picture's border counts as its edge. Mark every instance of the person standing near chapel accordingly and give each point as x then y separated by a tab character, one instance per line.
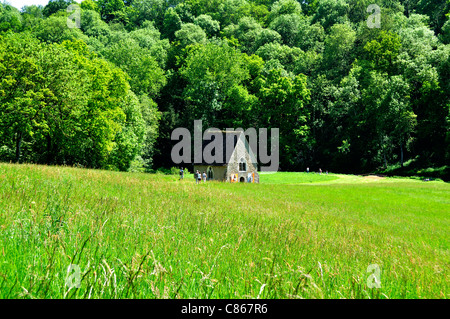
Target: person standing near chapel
181	173
198	177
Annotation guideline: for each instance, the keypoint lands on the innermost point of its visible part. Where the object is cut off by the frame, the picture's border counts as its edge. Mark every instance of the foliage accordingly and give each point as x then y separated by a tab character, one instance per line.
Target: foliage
54	6
10	18
214	74
373	96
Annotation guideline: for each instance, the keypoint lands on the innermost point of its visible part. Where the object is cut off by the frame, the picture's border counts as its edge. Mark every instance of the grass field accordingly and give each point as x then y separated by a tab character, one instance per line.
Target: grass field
295	235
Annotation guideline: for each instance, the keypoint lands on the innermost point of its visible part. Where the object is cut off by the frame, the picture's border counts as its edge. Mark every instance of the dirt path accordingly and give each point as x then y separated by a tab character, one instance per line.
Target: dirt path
374	177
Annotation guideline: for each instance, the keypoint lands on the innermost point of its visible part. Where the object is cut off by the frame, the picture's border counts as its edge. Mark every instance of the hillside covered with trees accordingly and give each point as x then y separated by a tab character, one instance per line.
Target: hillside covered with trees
346	96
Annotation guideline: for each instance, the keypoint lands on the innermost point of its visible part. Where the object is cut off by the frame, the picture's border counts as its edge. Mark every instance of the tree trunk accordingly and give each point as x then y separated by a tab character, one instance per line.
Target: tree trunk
401	154
18	146
49	149
384	153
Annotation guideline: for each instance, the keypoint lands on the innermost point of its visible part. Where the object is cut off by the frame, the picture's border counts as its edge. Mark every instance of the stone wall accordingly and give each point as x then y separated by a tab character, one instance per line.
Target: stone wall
233	165
218	171
223	173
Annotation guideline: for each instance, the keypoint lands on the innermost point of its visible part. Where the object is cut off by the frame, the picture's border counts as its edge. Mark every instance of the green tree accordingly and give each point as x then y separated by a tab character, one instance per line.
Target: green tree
171	24
330	12
264	37
102	116
338	52
149	37
10	18
54	30
61	104
129	140
228	11
247	31
190	34
92	25
89	5
420	61
22	99
286	55
118	11
213	72
148	10
152	117
31	16
54	6
284	7
445	36
310	36
383	50
146	77
208	24
372	111
387	100
288	26
282	103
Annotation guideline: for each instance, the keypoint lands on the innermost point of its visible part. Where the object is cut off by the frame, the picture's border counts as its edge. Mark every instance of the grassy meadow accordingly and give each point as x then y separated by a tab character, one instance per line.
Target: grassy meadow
294	235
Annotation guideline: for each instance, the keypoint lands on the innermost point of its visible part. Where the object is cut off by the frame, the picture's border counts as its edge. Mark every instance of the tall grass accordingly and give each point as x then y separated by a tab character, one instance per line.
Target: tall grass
139	235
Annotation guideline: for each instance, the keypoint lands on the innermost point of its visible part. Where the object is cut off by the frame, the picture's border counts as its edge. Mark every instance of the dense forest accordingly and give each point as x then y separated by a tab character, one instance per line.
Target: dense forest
346	95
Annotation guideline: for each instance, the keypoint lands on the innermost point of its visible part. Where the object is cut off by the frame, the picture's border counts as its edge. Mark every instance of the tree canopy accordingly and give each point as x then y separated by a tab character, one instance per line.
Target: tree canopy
345	95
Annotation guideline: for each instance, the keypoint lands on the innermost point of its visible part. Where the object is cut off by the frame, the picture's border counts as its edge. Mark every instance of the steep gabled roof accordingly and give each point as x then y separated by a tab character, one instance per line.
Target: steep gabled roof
233	137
